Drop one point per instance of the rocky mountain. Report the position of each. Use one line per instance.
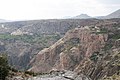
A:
(82, 16)
(90, 50)
(115, 14)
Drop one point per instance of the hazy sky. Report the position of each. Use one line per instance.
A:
(44, 9)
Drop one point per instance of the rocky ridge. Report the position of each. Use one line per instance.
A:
(66, 55)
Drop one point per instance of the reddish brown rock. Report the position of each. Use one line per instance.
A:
(69, 51)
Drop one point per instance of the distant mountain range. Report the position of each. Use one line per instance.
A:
(115, 14)
(82, 16)
(3, 21)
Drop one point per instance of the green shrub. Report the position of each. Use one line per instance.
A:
(13, 69)
(29, 72)
(94, 56)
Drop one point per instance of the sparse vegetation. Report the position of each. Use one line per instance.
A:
(37, 41)
(116, 36)
(102, 31)
(30, 38)
(108, 46)
(71, 43)
(34, 74)
(94, 56)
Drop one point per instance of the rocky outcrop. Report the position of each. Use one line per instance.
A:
(19, 32)
(61, 75)
(106, 65)
(69, 51)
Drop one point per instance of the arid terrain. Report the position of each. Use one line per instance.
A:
(63, 49)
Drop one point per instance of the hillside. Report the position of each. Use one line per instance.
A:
(69, 50)
(115, 14)
(90, 50)
(44, 26)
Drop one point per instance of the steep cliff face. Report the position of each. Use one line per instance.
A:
(67, 53)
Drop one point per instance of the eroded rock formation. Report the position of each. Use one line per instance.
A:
(67, 53)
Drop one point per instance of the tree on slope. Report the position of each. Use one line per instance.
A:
(4, 68)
